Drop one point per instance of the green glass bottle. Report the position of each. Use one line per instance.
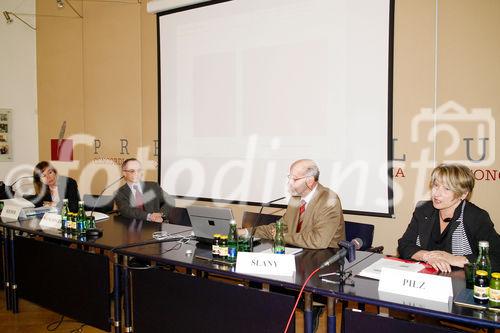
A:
(81, 218)
(483, 259)
(279, 239)
(64, 215)
(232, 242)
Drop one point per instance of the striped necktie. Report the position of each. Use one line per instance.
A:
(301, 215)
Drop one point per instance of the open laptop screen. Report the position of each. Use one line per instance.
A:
(207, 221)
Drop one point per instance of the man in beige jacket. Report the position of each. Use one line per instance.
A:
(313, 218)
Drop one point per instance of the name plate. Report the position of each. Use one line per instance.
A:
(11, 212)
(50, 220)
(431, 287)
(265, 263)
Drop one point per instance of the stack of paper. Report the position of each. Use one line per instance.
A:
(373, 271)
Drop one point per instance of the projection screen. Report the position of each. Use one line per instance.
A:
(248, 86)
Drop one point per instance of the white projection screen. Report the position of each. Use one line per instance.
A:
(248, 86)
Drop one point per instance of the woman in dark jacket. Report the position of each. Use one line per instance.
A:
(51, 189)
(446, 230)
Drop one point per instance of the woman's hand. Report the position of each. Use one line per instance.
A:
(457, 261)
(440, 260)
(443, 260)
(439, 264)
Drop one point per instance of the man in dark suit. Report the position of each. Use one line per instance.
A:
(141, 200)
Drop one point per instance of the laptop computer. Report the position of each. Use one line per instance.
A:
(207, 221)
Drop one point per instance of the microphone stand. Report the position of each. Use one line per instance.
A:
(100, 194)
(344, 276)
(257, 220)
(96, 232)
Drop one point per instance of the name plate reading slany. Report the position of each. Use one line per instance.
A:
(51, 220)
(265, 263)
(11, 212)
(431, 287)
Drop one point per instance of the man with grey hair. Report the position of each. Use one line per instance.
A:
(313, 218)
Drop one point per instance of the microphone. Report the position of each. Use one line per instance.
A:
(7, 16)
(348, 249)
(257, 220)
(100, 194)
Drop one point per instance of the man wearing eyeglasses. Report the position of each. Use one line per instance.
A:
(313, 218)
(141, 200)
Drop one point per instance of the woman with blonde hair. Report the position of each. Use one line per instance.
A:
(445, 231)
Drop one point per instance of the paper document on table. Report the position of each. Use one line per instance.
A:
(19, 202)
(374, 270)
(98, 215)
(288, 250)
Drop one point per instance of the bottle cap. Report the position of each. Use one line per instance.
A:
(481, 273)
(495, 275)
(81, 202)
(232, 222)
(65, 200)
(484, 244)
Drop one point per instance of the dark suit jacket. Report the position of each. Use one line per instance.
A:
(323, 224)
(155, 200)
(67, 188)
(477, 224)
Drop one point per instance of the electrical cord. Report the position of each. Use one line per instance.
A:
(57, 323)
(298, 298)
(162, 235)
(180, 242)
(78, 330)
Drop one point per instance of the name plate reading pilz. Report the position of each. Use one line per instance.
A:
(419, 285)
(265, 263)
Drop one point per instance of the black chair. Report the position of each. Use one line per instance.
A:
(103, 205)
(365, 232)
(250, 219)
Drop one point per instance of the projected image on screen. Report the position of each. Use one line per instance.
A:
(249, 86)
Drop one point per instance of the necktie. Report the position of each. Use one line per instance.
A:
(139, 199)
(301, 215)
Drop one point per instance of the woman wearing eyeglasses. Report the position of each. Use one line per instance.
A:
(51, 188)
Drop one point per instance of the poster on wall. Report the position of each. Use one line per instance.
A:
(5, 135)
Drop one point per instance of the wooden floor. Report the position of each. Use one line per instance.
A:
(34, 319)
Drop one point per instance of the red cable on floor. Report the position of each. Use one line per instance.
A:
(298, 298)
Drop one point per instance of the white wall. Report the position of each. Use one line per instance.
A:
(18, 85)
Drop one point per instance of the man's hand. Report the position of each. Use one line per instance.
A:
(273, 233)
(156, 217)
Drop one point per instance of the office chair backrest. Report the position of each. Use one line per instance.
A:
(360, 230)
(250, 219)
(104, 205)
